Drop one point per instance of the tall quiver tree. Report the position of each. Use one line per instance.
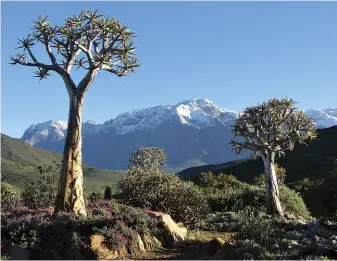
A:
(268, 130)
(91, 43)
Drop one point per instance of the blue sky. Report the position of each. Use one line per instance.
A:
(234, 53)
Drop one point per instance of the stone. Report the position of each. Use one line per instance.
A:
(293, 243)
(227, 251)
(17, 252)
(96, 245)
(140, 244)
(214, 245)
(150, 242)
(290, 216)
(172, 233)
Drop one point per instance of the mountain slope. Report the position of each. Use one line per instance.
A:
(191, 132)
(312, 162)
(19, 161)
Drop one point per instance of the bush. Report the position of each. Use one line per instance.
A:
(10, 195)
(153, 189)
(253, 226)
(233, 195)
(292, 202)
(67, 235)
(42, 192)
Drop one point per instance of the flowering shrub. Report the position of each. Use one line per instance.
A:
(66, 234)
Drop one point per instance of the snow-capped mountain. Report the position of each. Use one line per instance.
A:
(192, 129)
(323, 118)
(53, 131)
(200, 113)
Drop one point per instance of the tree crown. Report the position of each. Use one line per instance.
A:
(272, 126)
(88, 40)
(148, 157)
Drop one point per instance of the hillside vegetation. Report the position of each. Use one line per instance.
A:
(19, 162)
(314, 161)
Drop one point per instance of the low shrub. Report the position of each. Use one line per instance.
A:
(154, 189)
(41, 193)
(236, 196)
(66, 234)
(10, 195)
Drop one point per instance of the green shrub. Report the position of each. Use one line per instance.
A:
(154, 189)
(253, 226)
(42, 192)
(233, 195)
(292, 202)
(9, 195)
(95, 196)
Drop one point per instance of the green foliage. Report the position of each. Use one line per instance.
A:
(157, 190)
(218, 181)
(280, 175)
(41, 193)
(320, 194)
(233, 195)
(95, 196)
(253, 226)
(292, 202)
(148, 157)
(9, 194)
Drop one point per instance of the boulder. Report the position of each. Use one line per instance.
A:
(172, 232)
(227, 251)
(102, 252)
(140, 244)
(214, 245)
(150, 242)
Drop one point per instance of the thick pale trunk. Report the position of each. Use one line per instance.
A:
(70, 193)
(273, 195)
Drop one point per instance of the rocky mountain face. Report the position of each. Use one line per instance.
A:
(194, 131)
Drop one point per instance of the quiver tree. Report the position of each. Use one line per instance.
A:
(89, 42)
(268, 130)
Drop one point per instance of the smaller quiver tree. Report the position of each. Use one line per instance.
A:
(268, 130)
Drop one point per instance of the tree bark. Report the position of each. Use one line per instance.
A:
(272, 192)
(70, 192)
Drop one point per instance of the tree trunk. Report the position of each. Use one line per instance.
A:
(273, 195)
(70, 192)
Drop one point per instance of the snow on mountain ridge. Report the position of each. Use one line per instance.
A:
(55, 131)
(197, 113)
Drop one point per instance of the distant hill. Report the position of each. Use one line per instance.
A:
(313, 161)
(19, 161)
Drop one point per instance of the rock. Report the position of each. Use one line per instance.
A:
(172, 233)
(290, 216)
(140, 244)
(97, 246)
(214, 245)
(150, 242)
(293, 243)
(17, 252)
(227, 251)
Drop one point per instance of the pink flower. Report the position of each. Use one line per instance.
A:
(50, 209)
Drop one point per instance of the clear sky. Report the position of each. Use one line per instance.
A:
(233, 53)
